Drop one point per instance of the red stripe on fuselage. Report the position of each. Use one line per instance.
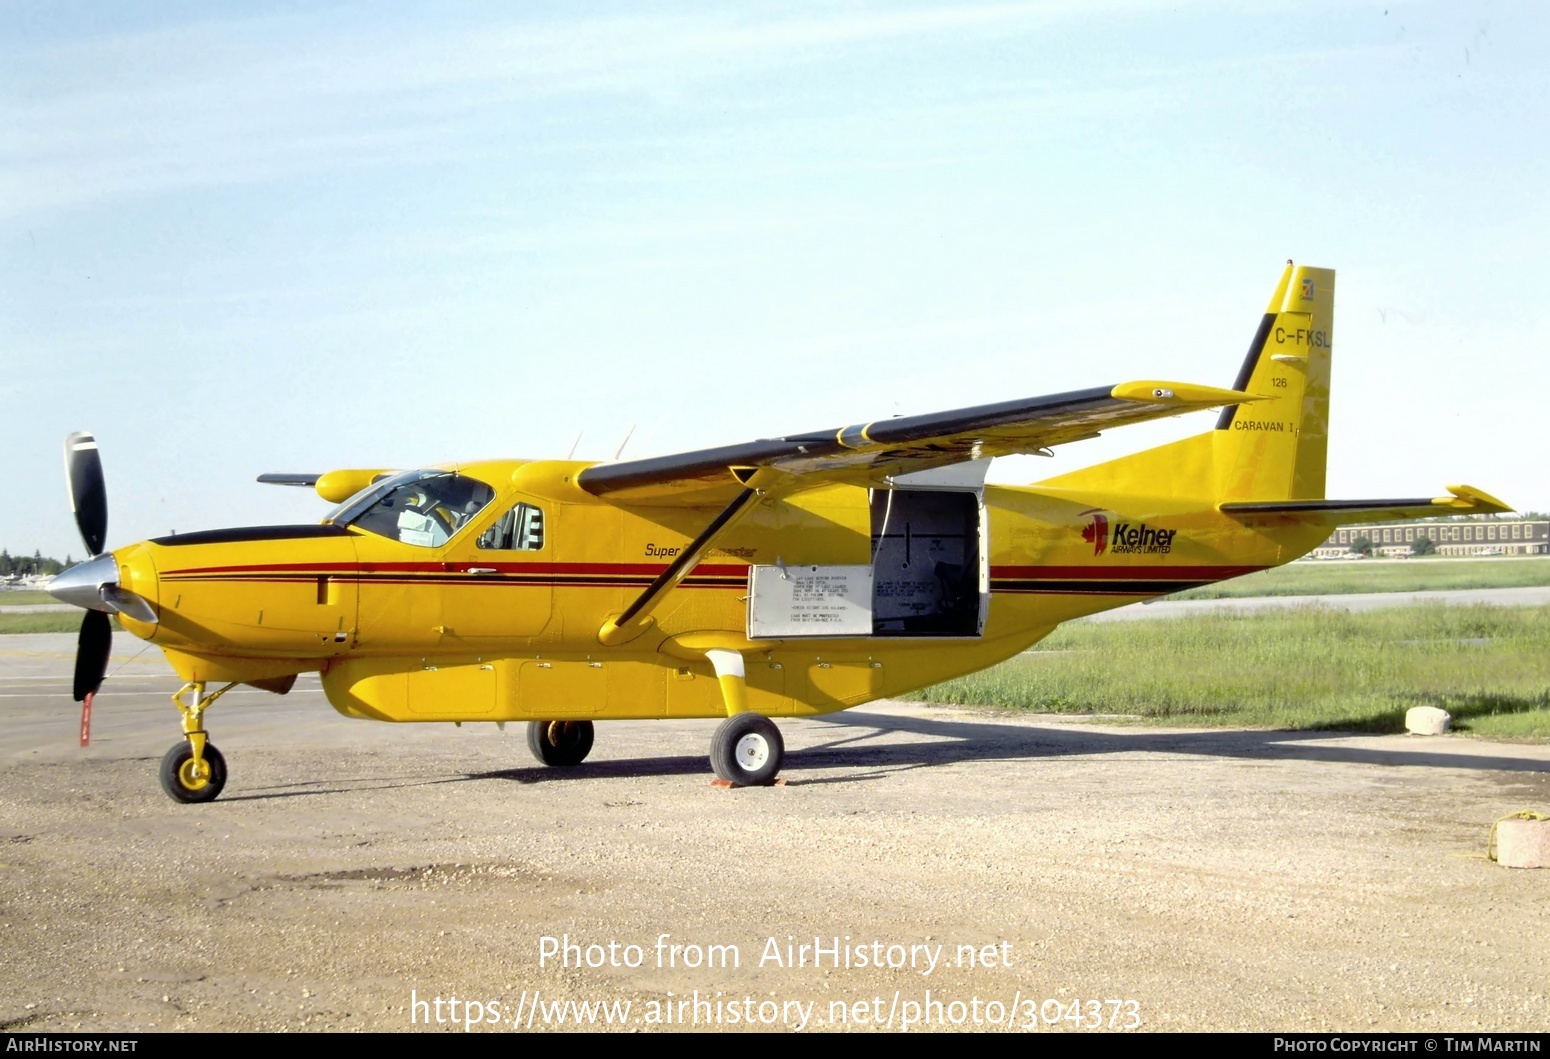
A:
(639, 575)
(462, 566)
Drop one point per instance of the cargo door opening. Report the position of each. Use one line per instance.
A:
(927, 577)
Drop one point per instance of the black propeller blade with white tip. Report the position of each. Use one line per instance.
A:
(88, 489)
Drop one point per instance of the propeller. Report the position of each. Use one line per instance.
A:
(93, 585)
(89, 501)
(88, 490)
(91, 653)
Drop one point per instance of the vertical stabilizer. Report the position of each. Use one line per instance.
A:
(1276, 448)
(1273, 449)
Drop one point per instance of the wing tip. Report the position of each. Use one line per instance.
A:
(1180, 394)
(1472, 499)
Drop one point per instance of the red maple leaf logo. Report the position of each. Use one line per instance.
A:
(1097, 533)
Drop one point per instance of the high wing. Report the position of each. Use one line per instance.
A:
(871, 453)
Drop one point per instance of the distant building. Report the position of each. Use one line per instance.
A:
(1463, 537)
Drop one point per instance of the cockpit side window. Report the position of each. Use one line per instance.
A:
(423, 508)
(520, 529)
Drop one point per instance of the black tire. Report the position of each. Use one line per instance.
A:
(747, 750)
(175, 780)
(561, 743)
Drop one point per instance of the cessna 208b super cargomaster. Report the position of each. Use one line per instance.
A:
(778, 578)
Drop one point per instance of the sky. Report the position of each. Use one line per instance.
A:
(238, 238)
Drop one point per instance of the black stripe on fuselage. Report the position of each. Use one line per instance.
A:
(248, 534)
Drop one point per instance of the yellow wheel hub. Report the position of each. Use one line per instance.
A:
(194, 775)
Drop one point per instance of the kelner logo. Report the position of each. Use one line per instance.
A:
(1096, 533)
(1126, 538)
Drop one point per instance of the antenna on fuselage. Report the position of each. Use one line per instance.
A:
(572, 453)
(627, 435)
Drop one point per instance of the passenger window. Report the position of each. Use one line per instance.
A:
(520, 529)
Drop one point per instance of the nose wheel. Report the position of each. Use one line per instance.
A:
(747, 750)
(188, 780)
(192, 770)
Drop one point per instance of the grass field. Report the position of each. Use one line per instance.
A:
(29, 597)
(1302, 669)
(1331, 577)
(50, 621)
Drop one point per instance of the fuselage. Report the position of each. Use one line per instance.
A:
(482, 626)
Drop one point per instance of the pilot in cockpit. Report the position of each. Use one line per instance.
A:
(423, 508)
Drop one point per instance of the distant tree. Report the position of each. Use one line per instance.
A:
(27, 566)
(1423, 546)
(1362, 546)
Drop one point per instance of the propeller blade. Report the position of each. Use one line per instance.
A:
(91, 653)
(88, 490)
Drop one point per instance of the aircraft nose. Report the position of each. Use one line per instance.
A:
(82, 584)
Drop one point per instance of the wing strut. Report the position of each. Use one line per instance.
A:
(633, 621)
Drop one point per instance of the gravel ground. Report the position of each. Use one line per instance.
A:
(1182, 879)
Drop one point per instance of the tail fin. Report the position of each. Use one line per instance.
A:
(1273, 449)
(1276, 449)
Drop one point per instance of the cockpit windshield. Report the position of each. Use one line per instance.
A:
(424, 508)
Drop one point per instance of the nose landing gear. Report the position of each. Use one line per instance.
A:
(192, 769)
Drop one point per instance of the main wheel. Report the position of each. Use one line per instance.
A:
(747, 750)
(561, 743)
(180, 781)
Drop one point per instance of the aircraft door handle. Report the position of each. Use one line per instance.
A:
(481, 570)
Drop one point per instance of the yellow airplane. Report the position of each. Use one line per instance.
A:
(783, 577)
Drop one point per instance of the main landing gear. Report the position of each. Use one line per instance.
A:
(747, 750)
(193, 770)
(562, 743)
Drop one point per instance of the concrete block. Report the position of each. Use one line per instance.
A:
(1427, 720)
(1523, 843)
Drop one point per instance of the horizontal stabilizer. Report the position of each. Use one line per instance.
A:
(306, 480)
(1462, 500)
(334, 486)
